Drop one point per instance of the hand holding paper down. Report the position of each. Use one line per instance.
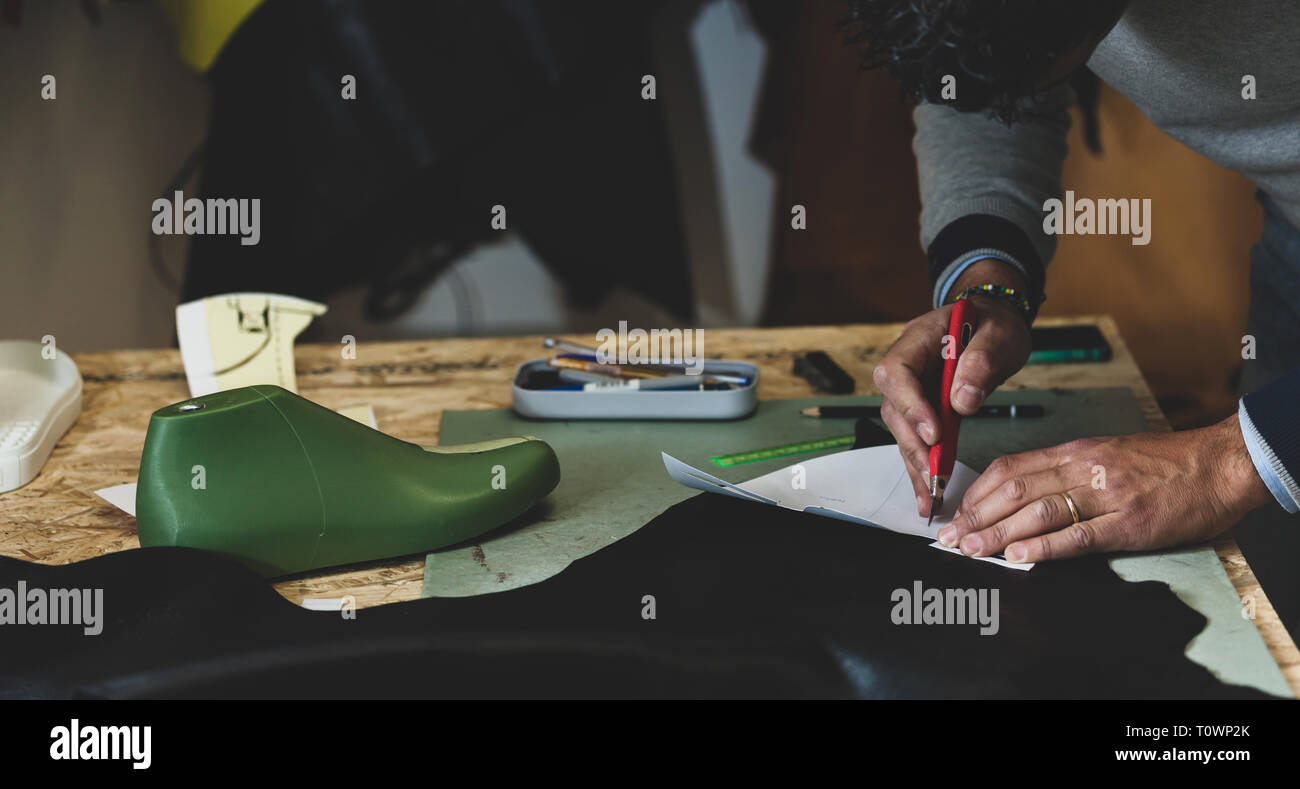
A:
(867, 486)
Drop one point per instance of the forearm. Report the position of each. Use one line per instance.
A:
(983, 184)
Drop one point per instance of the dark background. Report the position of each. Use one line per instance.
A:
(673, 212)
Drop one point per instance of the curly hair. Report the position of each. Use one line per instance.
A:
(998, 50)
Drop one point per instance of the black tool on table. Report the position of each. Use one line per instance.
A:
(820, 370)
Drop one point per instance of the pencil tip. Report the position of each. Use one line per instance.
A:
(814, 411)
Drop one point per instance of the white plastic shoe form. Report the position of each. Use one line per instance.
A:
(40, 399)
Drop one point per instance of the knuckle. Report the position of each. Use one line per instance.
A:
(974, 519)
(880, 375)
(1118, 484)
(1046, 510)
(1015, 489)
(1079, 447)
(909, 410)
(1083, 535)
(977, 364)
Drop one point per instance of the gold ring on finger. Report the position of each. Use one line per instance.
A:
(1074, 508)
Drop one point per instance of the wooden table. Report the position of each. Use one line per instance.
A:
(56, 519)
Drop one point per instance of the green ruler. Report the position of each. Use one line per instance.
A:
(784, 450)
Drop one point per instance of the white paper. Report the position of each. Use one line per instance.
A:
(329, 603)
(868, 486)
(196, 350)
(365, 414)
(120, 496)
(994, 559)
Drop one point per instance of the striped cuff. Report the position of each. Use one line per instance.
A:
(1275, 475)
(974, 237)
(955, 269)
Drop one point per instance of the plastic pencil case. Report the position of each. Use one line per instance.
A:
(639, 404)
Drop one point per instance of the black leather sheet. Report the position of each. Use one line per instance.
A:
(750, 600)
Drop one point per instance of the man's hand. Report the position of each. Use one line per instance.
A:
(1139, 492)
(908, 376)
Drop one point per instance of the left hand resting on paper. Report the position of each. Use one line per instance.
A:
(1138, 492)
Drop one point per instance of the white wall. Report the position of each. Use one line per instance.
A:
(78, 174)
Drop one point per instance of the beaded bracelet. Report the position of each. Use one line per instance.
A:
(1010, 295)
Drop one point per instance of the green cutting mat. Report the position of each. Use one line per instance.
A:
(613, 482)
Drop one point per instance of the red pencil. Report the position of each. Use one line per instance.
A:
(944, 454)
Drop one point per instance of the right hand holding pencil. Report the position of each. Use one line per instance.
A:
(908, 376)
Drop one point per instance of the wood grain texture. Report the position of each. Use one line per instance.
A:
(57, 518)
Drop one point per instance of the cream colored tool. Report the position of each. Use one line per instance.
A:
(241, 339)
(40, 399)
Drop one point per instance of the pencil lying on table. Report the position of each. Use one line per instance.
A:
(873, 411)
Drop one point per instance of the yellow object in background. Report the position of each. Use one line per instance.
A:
(204, 26)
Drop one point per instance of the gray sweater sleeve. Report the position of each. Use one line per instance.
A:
(983, 184)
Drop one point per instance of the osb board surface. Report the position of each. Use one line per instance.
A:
(57, 518)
